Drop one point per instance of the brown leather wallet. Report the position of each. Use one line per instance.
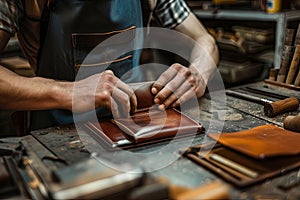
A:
(247, 157)
(261, 142)
(146, 125)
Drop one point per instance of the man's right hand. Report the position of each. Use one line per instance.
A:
(104, 89)
(38, 93)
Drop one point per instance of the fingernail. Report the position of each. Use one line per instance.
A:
(156, 101)
(161, 107)
(175, 104)
(153, 90)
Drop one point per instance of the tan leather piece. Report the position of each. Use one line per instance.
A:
(261, 142)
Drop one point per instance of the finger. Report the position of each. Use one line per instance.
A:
(197, 89)
(184, 98)
(105, 98)
(171, 86)
(183, 88)
(123, 102)
(128, 91)
(116, 94)
(110, 77)
(163, 79)
(114, 108)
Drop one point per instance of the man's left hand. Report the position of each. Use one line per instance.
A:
(177, 85)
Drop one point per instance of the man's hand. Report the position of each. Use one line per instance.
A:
(177, 85)
(104, 89)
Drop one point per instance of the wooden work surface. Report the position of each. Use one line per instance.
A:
(240, 115)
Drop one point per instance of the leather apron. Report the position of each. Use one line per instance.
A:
(74, 28)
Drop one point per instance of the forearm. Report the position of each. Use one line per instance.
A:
(205, 57)
(22, 93)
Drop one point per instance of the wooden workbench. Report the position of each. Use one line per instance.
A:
(240, 115)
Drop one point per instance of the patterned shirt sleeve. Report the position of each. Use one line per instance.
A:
(10, 12)
(171, 13)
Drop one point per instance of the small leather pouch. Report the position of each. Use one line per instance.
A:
(247, 157)
(146, 125)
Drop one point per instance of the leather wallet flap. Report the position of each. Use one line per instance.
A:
(155, 124)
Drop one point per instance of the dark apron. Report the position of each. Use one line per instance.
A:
(75, 27)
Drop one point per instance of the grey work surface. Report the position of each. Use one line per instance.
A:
(240, 115)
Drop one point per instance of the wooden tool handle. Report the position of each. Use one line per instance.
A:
(282, 106)
(297, 80)
(273, 74)
(292, 123)
(294, 65)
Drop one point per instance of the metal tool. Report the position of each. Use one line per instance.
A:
(248, 97)
(265, 92)
(271, 108)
